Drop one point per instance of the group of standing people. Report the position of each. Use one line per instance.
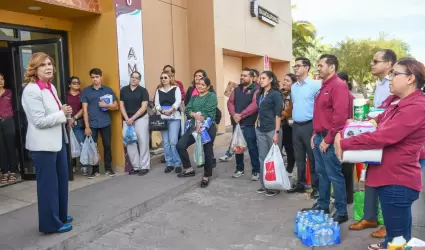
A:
(308, 115)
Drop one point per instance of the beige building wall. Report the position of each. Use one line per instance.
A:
(239, 35)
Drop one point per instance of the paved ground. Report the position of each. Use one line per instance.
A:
(229, 214)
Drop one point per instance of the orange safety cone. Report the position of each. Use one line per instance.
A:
(307, 172)
(359, 168)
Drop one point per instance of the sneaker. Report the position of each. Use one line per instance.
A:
(270, 193)
(261, 191)
(255, 176)
(375, 246)
(110, 173)
(84, 171)
(238, 174)
(225, 158)
(93, 175)
(134, 172)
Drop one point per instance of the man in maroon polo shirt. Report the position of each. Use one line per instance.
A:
(331, 111)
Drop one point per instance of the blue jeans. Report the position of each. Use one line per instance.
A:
(251, 140)
(79, 134)
(170, 138)
(51, 170)
(396, 203)
(328, 168)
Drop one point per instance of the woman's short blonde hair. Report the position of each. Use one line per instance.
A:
(35, 61)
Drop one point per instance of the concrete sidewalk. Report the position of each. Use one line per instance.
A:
(99, 208)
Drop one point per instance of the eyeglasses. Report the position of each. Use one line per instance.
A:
(298, 66)
(393, 74)
(374, 62)
(75, 83)
(135, 77)
(163, 78)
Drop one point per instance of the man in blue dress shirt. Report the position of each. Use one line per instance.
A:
(303, 94)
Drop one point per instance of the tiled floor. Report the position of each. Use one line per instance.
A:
(23, 194)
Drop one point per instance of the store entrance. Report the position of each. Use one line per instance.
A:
(14, 58)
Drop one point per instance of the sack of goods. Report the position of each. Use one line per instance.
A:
(373, 156)
(89, 154)
(275, 175)
(315, 228)
(238, 144)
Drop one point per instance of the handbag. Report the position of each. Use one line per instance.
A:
(156, 123)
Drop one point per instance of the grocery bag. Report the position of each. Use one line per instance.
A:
(198, 153)
(89, 154)
(275, 175)
(238, 144)
(129, 134)
(359, 208)
(75, 146)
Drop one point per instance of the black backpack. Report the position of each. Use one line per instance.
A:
(217, 116)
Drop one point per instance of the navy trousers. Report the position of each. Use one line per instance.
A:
(52, 188)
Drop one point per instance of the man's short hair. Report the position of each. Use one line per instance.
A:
(256, 72)
(330, 60)
(251, 73)
(173, 70)
(95, 71)
(389, 55)
(305, 61)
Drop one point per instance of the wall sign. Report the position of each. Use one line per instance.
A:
(263, 14)
(266, 62)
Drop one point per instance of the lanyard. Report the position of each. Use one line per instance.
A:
(262, 97)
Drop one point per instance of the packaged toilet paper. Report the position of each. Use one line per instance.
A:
(373, 156)
(360, 109)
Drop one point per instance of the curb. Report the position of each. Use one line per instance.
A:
(87, 235)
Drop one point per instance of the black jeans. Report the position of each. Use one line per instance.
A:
(289, 146)
(187, 140)
(301, 137)
(347, 171)
(8, 160)
(105, 133)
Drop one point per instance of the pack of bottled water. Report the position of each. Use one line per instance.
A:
(315, 228)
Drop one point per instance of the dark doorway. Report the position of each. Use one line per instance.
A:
(13, 63)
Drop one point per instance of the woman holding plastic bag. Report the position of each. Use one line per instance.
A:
(201, 111)
(401, 133)
(270, 104)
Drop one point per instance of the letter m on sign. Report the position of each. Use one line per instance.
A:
(132, 68)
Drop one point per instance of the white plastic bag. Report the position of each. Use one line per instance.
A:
(75, 146)
(89, 154)
(238, 144)
(198, 153)
(274, 175)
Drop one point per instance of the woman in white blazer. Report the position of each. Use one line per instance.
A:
(46, 139)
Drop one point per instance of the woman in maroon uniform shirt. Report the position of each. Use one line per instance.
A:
(8, 160)
(401, 134)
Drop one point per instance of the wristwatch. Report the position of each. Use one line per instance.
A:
(277, 131)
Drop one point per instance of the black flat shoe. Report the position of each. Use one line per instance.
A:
(204, 183)
(340, 219)
(315, 207)
(296, 189)
(143, 172)
(168, 169)
(187, 174)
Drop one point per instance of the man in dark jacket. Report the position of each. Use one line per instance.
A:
(243, 108)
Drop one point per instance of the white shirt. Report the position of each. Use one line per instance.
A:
(45, 119)
(382, 91)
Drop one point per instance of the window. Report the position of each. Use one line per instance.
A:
(6, 33)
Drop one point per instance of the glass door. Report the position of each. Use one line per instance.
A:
(21, 52)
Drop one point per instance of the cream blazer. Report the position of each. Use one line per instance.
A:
(45, 120)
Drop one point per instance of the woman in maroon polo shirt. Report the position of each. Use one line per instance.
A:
(8, 161)
(76, 123)
(401, 134)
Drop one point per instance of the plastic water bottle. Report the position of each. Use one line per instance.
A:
(300, 225)
(331, 236)
(322, 237)
(297, 217)
(316, 236)
(337, 233)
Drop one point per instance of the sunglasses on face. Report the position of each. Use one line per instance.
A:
(374, 62)
(163, 78)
